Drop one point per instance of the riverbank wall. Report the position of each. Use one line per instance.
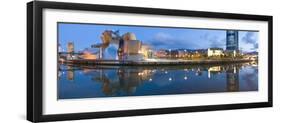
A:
(156, 62)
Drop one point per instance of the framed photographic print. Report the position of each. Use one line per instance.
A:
(95, 61)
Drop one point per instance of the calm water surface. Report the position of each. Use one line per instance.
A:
(115, 81)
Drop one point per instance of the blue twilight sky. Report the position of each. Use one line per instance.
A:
(84, 35)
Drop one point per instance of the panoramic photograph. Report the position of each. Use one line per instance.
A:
(103, 60)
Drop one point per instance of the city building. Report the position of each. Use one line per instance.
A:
(60, 49)
(173, 53)
(215, 52)
(146, 51)
(232, 40)
(132, 47)
(70, 50)
(124, 43)
(125, 47)
(232, 44)
(129, 36)
(251, 55)
(110, 40)
(182, 53)
(70, 47)
(90, 54)
(161, 53)
(132, 50)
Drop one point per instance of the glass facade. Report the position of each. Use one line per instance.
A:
(232, 40)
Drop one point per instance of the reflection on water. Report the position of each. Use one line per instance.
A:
(116, 81)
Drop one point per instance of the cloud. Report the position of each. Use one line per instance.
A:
(256, 46)
(167, 41)
(162, 36)
(214, 41)
(251, 38)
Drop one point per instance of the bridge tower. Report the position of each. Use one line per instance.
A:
(70, 50)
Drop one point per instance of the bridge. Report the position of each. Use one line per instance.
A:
(68, 53)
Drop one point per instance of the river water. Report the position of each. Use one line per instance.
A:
(76, 82)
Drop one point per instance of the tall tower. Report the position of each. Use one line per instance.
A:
(70, 47)
(232, 40)
(70, 50)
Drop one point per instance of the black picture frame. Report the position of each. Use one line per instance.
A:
(35, 69)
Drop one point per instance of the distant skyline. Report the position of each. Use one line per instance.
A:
(84, 35)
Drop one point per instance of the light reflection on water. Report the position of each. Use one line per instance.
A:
(116, 81)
